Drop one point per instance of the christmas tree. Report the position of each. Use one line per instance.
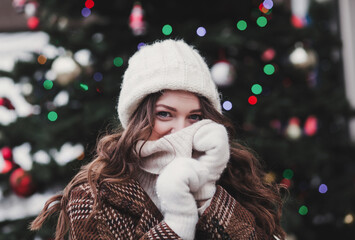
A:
(277, 64)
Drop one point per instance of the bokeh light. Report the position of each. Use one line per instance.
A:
(140, 45)
(98, 76)
(268, 4)
(349, 218)
(41, 59)
(84, 86)
(261, 21)
(242, 25)
(52, 116)
(288, 174)
(256, 89)
(303, 210)
(167, 29)
(323, 188)
(227, 105)
(286, 182)
(48, 84)
(89, 3)
(85, 12)
(252, 100)
(32, 22)
(118, 61)
(201, 31)
(269, 69)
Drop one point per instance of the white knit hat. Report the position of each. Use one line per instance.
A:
(169, 64)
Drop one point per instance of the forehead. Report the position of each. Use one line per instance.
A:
(178, 97)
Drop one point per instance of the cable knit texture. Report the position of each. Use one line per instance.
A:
(169, 64)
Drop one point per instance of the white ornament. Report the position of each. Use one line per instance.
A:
(302, 58)
(66, 69)
(293, 130)
(83, 57)
(223, 73)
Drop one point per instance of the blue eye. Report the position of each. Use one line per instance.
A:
(163, 114)
(196, 117)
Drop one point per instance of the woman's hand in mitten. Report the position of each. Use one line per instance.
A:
(174, 187)
(212, 140)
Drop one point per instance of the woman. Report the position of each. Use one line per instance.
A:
(173, 171)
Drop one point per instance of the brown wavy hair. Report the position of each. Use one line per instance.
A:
(116, 160)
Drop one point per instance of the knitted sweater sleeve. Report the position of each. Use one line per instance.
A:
(79, 209)
(225, 218)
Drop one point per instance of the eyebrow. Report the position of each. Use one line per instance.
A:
(174, 109)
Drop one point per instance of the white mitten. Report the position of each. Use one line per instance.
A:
(159, 153)
(174, 186)
(212, 140)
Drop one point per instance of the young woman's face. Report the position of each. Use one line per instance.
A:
(175, 110)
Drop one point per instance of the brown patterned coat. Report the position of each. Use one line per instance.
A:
(127, 212)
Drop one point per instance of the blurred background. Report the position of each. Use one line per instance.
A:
(285, 68)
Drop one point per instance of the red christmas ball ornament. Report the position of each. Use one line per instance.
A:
(6, 103)
(33, 22)
(21, 183)
(6, 153)
(5, 166)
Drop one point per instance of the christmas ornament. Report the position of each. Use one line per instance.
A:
(299, 9)
(293, 130)
(6, 103)
(19, 5)
(6, 153)
(66, 69)
(21, 183)
(31, 9)
(310, 126)
(303, 59)
(223, 73)
(33, 22)
(6, 162)
(136, 20)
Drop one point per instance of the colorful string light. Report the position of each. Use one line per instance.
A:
(84, 86)
(288, 174)
(48, 84)
(98, 76)
(323, 188)
(303, 210)
(86, 12)
(167, 29)
(52, 116)
(256, 89)
(201, 31)
(242, 25)
(41, 59)
(118, 61)
(89, 3)
(269, 69)
(252, 100)
(261, 21)
(227, 105)
(140, 45)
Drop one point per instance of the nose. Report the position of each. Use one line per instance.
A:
(179, 124)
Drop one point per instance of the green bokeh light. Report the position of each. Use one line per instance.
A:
(242, 25)
(52, 116)
(269, 69)
(261, 21)
(47, 84)
(288, 173)
(256, 89)
(303, 210)
(167, 29)
(84, 86)
(118, 61)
